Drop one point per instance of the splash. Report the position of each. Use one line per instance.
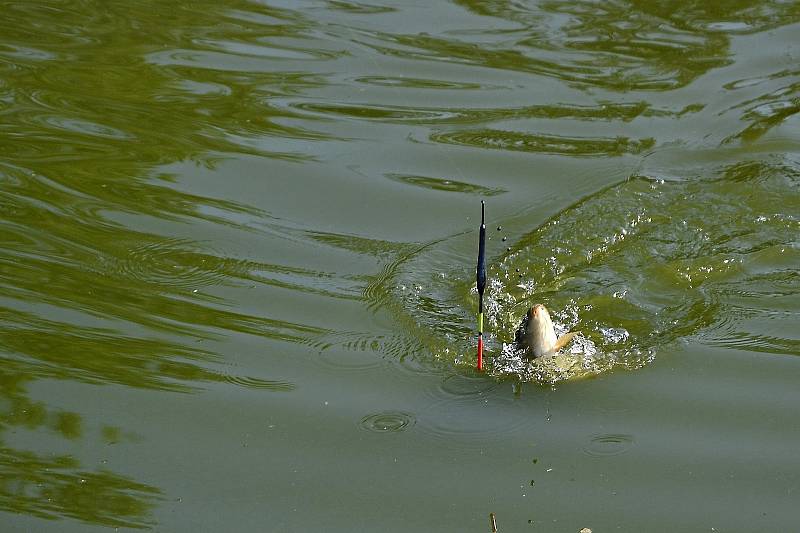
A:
(634, 268)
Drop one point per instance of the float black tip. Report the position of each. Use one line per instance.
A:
(481, 271)
(481, 282)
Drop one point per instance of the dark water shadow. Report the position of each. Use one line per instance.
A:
(53, 486)
(98, 285)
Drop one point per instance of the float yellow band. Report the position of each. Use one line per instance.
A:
(480, 322)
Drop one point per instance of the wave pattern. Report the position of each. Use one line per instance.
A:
(191, 188)
(635, 268)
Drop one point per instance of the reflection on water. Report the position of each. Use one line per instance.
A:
(53, 487)
(188, 188)
(439, 184)
(622, 46)
(56, 485)
(766, 111)
(549, 144)
(87, 285)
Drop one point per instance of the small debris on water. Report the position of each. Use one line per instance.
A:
(505, 239)
(586, 530)
(499, 228)
(493, 523)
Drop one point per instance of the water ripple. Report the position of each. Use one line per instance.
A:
(651, 269)
(445, 185)
(471, 421)
(549, 144)
(419, 83)
(460, 385)
(258, 383)
(608, 445)
(170, 262)
(387, 422)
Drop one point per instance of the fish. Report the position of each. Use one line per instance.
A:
(537, 336)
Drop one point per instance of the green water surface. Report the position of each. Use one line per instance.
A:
(237, 252)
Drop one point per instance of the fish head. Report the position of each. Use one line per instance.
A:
(539, 316)
(540, 336)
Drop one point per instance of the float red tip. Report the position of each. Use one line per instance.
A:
(480, 353)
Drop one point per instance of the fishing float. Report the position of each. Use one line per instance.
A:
(481, 282)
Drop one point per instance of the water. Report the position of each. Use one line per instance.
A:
(237, 265)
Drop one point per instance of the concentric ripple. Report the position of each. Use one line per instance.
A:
(472, 421)
(172, 262)
(387, 422)
(459, 385)
(608, 445)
